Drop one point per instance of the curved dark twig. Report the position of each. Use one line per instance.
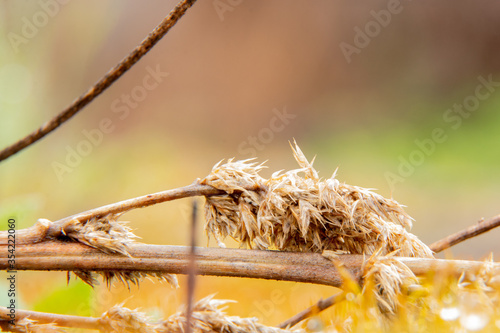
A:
(470, 232)
(105, 82)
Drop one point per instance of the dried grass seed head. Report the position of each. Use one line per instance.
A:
(32, 326)
(387, 278)
(119, 319)
(209, 317)
(109, 235)
(125, 277)
(105, 233)
(297, 211)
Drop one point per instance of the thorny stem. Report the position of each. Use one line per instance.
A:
(105, 82)
(274, 265)
(472, 231)
(321, 305)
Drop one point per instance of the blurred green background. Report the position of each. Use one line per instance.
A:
(356, 84)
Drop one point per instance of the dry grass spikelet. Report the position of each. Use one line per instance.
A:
(32, 326)
(125, 277)
(119, 319)
(486, 279)
(241, 176)
(297, 211)
(105, 233)
(209, 317)
(387, 278)
(109, 235)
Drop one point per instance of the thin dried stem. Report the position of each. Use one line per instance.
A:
(105, 82)
(43, 229)
(57, 319)
(470, 232)
(191, 269)
(321, 305)
(275, 265)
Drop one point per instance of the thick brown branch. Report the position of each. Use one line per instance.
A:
(275, 265)
(465, 234)
(105, 82)
(287, 266)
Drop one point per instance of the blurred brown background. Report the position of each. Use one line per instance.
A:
(245, 78)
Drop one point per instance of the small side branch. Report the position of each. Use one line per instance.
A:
(43, 229)
(192, 190)
(321, 305)
(105, 82)
(465, 234)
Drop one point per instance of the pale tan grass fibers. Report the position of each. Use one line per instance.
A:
(297, 211)
(106, 233)
(109, 235)
(125, 277)
(386, 277)
(31, 326)
(119, 319)
(208, 317)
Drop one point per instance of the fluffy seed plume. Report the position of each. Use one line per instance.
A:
(31, 326)
(109, 235)
(125, 277)
(386, 277)
(120, 319)
(297, 211)
(207, 317)
(106, 233)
